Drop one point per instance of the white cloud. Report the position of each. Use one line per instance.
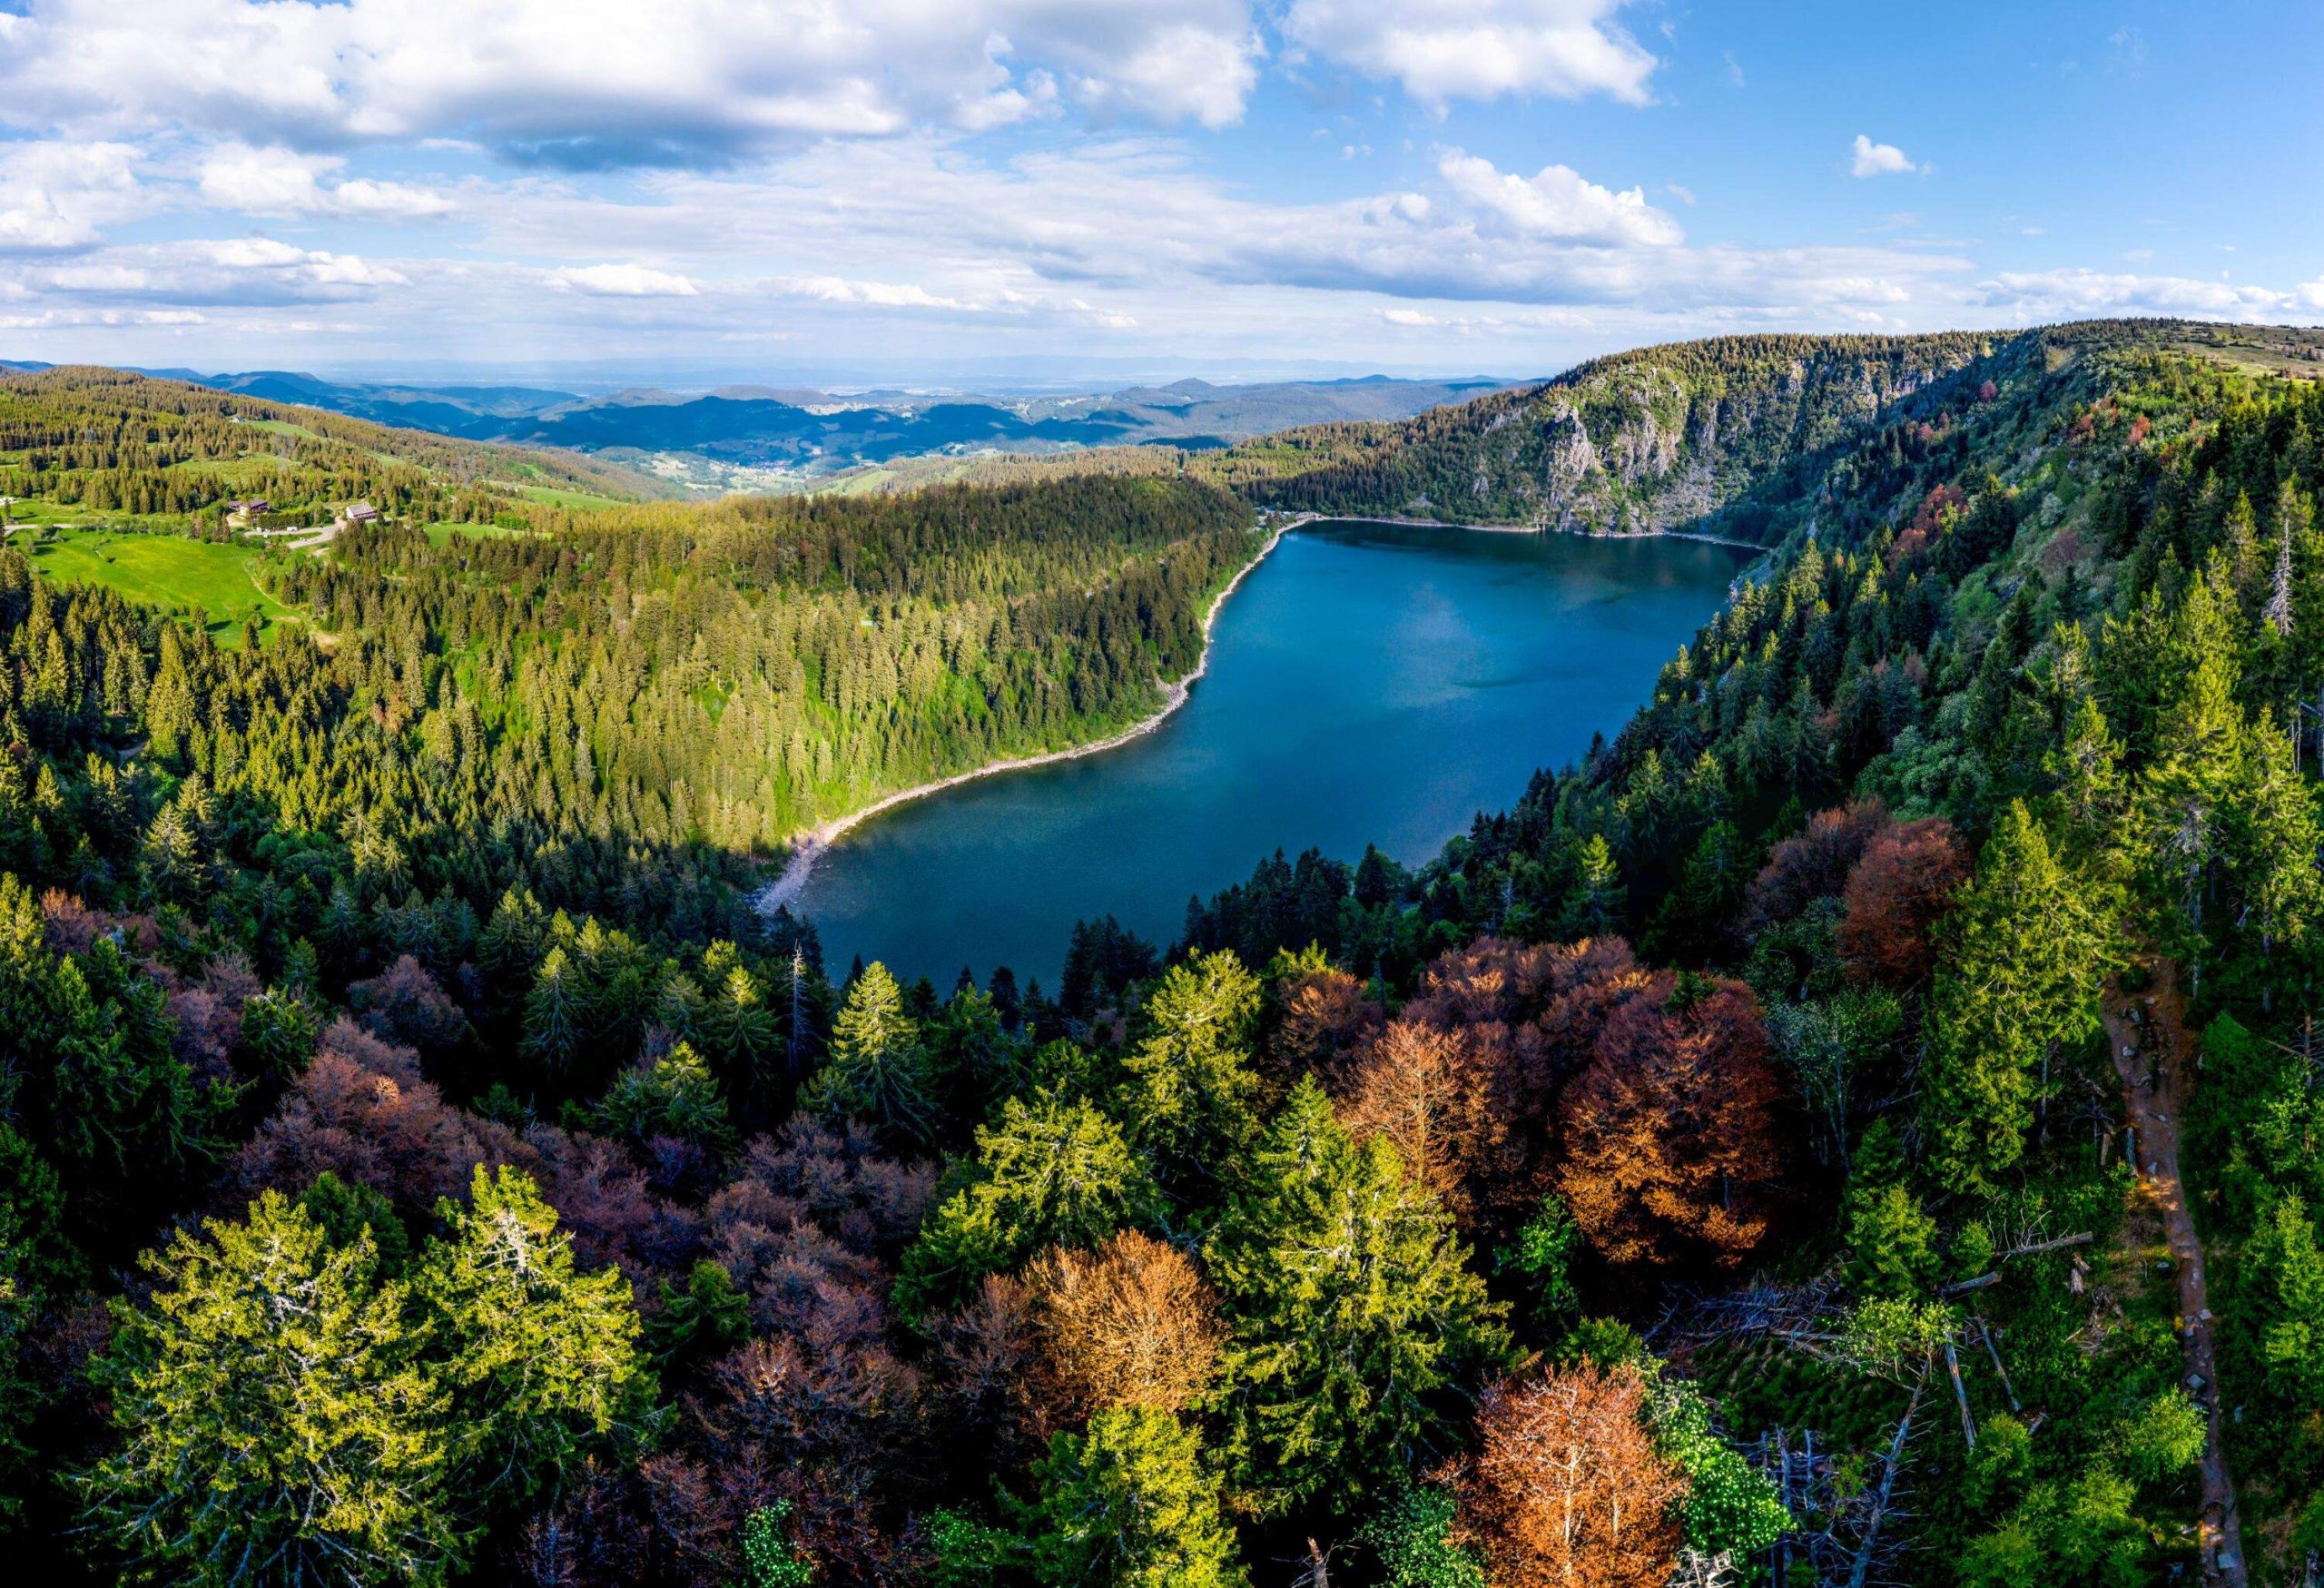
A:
(599, 82)
(80, 319)
(622, 280)
(1441, 50)
(1879, 160)
(282, 182)
(2076, 292)
(907, 295)
(1559, 202)
(1132, 227)
(207, 271)
(1200, 73)
(56, 196)
(882, 294)
(1410, 317)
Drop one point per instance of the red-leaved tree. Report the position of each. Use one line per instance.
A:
(1671, 1138)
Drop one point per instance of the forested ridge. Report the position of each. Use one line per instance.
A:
(419, 1167)
(624, 707)
(728, 677)
(1640, 441)
(120, 443)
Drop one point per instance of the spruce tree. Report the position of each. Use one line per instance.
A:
(275, 1423)
(1350, 1304)
(1130, 1503)
(1050, 1172)
(877, 1071)
(2022, 957)
(540, 1359)
(1189, 1090)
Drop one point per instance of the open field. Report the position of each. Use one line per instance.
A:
(579, 502)
(163, 570)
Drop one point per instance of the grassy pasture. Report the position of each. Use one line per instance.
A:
(161, 570)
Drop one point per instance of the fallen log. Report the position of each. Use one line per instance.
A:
(2032, 1248)
(1887, 1485)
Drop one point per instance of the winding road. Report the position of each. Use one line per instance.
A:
(2146, 1032)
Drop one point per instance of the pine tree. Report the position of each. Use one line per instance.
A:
(1349, 1303)
(275, 1425)
(541, 1359)
(1128, 1503)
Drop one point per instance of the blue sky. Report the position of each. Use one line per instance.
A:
(953, 190)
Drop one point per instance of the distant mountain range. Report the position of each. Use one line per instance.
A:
(812, 432)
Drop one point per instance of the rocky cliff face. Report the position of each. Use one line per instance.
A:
(1647, 441)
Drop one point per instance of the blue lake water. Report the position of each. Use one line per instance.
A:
(1367, 684)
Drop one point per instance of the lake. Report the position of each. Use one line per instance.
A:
(1367, 684)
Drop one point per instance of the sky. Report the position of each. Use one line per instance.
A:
(941, 191)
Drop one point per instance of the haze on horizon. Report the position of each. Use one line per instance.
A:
(997, 189)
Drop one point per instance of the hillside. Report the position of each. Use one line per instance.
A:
(108, 442)
(1640, 441)
(754, 438)
(1779, 1116)
(2003, 751)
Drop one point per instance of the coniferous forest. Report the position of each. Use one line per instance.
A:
(1861, 1123)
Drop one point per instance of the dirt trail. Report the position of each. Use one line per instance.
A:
(2146, 1032)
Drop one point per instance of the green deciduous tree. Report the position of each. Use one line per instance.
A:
(1729, 1508)
(1544, 1251)
(1413, 1535)
(768, 1553)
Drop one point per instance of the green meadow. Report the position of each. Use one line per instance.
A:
(163, 570)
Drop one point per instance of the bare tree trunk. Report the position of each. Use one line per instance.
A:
(1985, 1333)
(1887, 1488)
(1960, 1393)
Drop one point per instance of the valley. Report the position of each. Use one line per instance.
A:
(1674, 974)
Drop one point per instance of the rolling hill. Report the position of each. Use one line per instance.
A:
(797, 435)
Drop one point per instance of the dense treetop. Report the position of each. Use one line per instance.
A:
(417, 1164)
